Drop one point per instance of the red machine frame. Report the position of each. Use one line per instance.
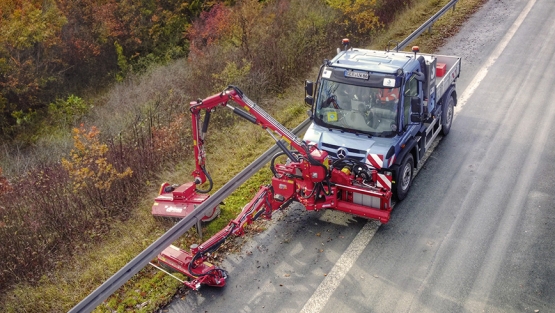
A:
(307, 177)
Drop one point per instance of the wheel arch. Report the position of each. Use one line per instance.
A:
(410, 147)
(450, 92)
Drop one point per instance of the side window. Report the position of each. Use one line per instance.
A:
(411, 90)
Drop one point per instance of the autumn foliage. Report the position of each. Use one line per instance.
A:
(52, 49)
(49, 48)
(49, 209)
(88, 165)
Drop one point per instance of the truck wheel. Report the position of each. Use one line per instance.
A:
(404, 177)
(447, 116)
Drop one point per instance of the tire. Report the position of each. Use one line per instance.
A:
(447, 116)
(404, 177)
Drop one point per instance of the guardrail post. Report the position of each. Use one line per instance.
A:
(199, 229)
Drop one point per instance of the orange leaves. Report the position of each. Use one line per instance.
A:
(30, 32)
(237, 25)
(108, 25)
(363, 14)
(88, 165)
(358, 15)
(210, 27)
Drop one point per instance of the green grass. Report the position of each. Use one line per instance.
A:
(229, 150)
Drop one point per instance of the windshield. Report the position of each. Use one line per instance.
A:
(354, 108)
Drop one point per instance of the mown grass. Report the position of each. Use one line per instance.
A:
(229, 151)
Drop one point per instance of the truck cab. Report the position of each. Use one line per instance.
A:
(384, 108)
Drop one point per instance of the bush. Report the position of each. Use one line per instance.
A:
(67, 112)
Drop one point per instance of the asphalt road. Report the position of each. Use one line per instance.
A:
(477, 231)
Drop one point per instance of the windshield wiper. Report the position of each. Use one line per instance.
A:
(355, 132)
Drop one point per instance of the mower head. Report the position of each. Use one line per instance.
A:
(179, 201)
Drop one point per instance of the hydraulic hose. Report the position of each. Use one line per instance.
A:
(210, 182)
(273, 161)
(210, 249)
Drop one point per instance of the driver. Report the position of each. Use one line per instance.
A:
(389, 95)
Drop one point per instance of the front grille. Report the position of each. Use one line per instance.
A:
(356, 154)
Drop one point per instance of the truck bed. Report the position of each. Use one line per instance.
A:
(453, 69)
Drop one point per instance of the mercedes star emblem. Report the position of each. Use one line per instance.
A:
(341, 153)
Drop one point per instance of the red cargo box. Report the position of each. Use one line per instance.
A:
(441, 69)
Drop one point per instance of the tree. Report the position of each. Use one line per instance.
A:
(29, 58)
(52, 48)
(209, 28)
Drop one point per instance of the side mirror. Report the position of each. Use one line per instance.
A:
(309, 100)
(416, 109)
(415, 105)
(309, 88)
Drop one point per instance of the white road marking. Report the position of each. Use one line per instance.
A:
(326, 288)
(492, 58)
(342, 266)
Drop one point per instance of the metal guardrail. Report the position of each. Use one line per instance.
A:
(427, 25)
(140, 261)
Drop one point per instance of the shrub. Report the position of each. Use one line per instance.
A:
(88, 165)
(67, 112)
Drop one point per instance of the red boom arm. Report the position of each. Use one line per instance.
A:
(308, 177)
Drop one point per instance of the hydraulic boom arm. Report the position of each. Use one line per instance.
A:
(251, 112)
(307, 177)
